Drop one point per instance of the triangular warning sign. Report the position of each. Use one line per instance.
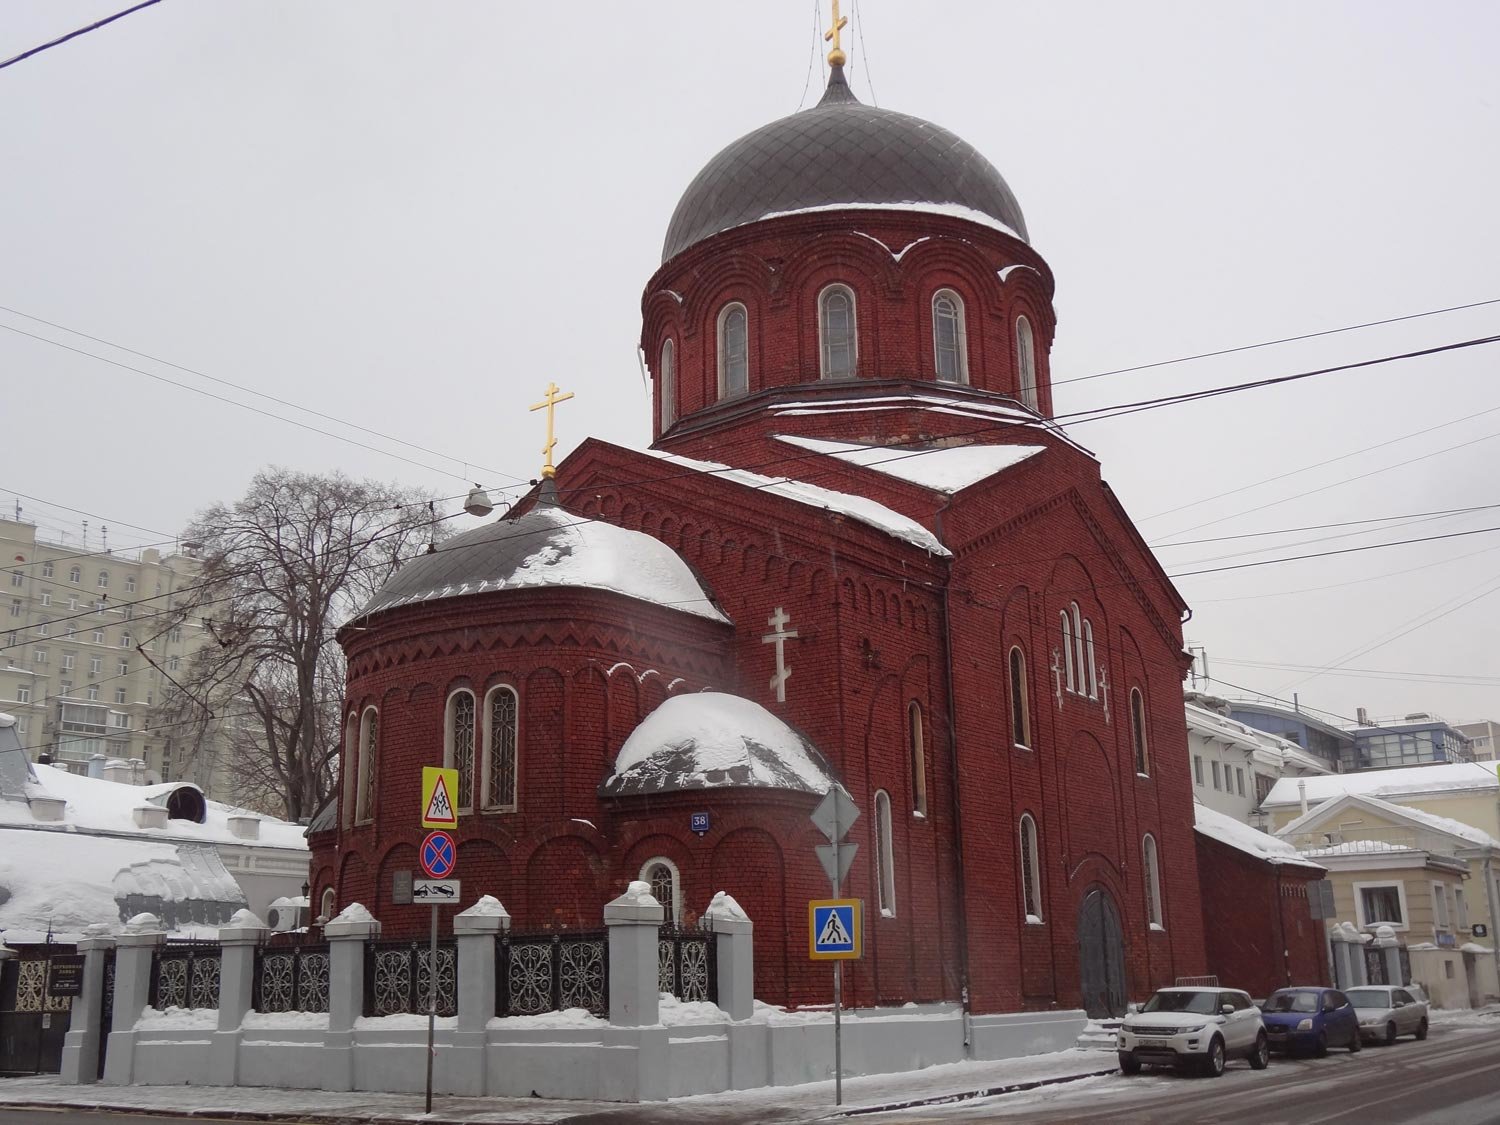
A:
(439, 807)
(833, 931)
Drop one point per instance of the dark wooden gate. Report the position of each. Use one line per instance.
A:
(1101, 955)
(32, 1023)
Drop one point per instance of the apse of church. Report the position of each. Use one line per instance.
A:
(858, 551)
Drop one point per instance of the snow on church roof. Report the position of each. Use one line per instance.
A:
(712, 740)
(1226, 830)
(948, 469)
(549, 546)
(858, 508)
(1415, 781)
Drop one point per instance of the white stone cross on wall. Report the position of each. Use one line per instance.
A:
(778, 636)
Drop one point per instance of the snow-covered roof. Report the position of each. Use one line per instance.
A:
(99, 806)
(1226, 830)
(549, 546)
(712, 740)
(1210, 724)
(1470, 835)
(1413, 781)
(1360, 847)
(62, 882)
(858, 508)
(947, 470)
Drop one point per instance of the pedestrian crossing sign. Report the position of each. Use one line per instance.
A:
(834, 929)
(439, 788)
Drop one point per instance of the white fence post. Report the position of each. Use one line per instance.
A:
(133, 952)
(237, 942)
(734, 940)
(80, 1058)
(346, 936)
(634, 920)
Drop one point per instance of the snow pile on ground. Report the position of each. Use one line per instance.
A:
(677, 1013)
(712, 740)
(178, 1019)
(948, 469)
(285, 1021)
(568, 1018)
(857, 508)
(1226, 830)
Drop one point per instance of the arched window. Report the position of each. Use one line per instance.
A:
(458, 746)
(1067, 651)
(104, 580)
(1092, 682)
(1153, 882)
(666, 383)
(836, 337)
(1078, 656)
(351, 766)
(666, 887)
(1138, 731)
(325, 911)
(75, 575)
(885, 856)
(918, 759)
(1026, 361)
(950, 344)
(1031, 873)
(1020, 715)
(501, 708)
(734, 351)
(369, 743)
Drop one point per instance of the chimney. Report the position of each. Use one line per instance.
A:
(96, 766)
(117, 770)
(1302, 795)
(150, 816)
(1361, 716)
(245, 827)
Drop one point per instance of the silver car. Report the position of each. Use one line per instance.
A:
(1386, 1011)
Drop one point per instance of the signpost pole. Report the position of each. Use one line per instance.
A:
(838, 979)
(432, 976)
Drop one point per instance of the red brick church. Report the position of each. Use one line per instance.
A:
(858, 551)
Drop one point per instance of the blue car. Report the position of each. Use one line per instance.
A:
(1310, 1020)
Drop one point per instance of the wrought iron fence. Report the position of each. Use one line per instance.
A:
(1405, 956)
(686, 963)
(537, 973)
(397, 976)
(291, 978)
(1375, 965)
(185, 974)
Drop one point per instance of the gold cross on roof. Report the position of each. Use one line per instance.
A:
(548, 404)
(836, 56)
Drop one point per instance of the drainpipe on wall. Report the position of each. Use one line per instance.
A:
(957, 812)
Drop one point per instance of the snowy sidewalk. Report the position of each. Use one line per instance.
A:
(810, 1102)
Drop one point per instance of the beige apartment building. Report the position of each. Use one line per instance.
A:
(71, 619)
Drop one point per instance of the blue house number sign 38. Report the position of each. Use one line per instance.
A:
(700, 823)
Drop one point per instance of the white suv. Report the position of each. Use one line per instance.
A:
(1194, 1027)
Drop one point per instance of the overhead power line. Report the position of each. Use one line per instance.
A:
(75, 34)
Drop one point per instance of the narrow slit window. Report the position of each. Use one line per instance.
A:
(918, 759)
(369, 742)
(734, 351)
(885, 856)
(1153, 882)
(1031, 881)
(1026, 361)
(1020, 716)
(949, 342)
(1138, 736)
(666, 383)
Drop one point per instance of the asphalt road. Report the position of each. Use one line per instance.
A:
(1451, 1079)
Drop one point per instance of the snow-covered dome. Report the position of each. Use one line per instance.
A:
(716, 741)
(549, 546)
(842, 153)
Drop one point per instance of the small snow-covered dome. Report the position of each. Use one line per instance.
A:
(549, 546)
(842, 153)
(716, 741)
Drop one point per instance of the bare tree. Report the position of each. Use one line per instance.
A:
(282, 569)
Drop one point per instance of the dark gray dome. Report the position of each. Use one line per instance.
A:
(840, 153)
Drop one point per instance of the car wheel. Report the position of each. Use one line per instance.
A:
(1354, 1042)
(1260, 1057)
(1129, 1064)
(1213, 1062)
(1422, 1028)
(1321, 1050)
(1390, 1033)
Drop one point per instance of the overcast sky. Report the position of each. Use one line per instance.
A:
(412, 216)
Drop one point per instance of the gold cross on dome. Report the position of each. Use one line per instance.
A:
(836, 56)
(548, 404)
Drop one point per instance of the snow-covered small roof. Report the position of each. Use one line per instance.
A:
(712, 740)
(99, 806)
(1359, 847)
(858, 508)
(1413, 781)
(948, 469)
(549, 546)
(1240, 836)
(1446, 825)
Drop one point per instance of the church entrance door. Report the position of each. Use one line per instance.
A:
(1101, 955)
